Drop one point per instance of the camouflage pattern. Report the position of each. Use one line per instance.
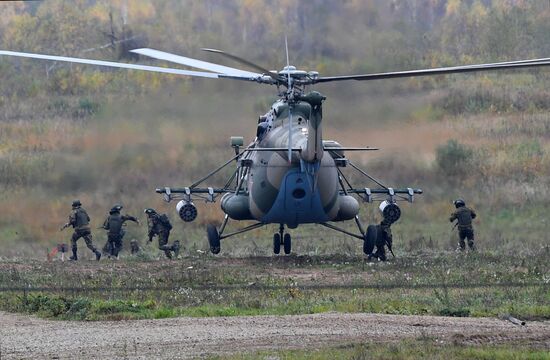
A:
(464, 217)
(134, 247)
(156, 227)
(163, 243)
(87, 236)
(114, 225)
(80, 221)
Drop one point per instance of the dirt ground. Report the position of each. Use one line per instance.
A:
(29, 337)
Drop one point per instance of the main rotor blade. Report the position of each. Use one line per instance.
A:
(244, 62)
(112, 64)
(440, 71)
(182, 60)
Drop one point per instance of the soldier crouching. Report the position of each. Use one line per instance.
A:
(383, 238)
(159, 225)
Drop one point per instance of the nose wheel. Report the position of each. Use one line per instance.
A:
(281, 238)
(369, 240)
(287, 243)
(276, 243)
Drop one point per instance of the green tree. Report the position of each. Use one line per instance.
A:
(454, 158)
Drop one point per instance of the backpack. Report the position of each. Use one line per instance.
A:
(165, 222)
(81, 217)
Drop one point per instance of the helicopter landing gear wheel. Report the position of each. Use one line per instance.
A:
(287, 243)
(213, 238)
(276, 243)
(370, 240)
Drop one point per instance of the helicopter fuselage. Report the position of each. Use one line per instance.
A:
(302, 189)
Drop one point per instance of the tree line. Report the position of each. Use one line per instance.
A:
(350, 36)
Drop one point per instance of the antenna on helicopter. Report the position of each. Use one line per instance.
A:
(290, 98)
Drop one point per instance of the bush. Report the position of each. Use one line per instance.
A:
(79, 308)
(86, 107)
(453, 158)
(49, 306)
(458, 312)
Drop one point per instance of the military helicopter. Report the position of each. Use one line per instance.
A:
(288, 175)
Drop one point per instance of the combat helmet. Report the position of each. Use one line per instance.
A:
(459, 203)
(149, 211)
(116, 208)
(76, 203)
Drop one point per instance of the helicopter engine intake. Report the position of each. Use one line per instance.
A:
(186, 210)
(349, 207)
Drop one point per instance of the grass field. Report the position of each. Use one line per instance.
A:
(437, 283)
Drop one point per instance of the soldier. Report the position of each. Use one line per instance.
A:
(160, 225)
(80, 221)
(134, 247)
(114, 224)
(384, 238)
(464, 217)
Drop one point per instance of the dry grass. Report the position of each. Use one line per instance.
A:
(133, 146)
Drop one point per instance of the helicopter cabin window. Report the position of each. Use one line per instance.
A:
(265, 123)
(261, 130)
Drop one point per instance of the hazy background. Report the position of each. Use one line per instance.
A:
(112, 136)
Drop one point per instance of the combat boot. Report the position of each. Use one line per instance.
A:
(74, 257)
(176, 248)
(97, 255)
(381, 254)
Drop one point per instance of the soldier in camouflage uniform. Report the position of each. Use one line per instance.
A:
(464, 217)
(384, 238)
(134, 247)
(160, 225)
(80, 221)
(114, 225)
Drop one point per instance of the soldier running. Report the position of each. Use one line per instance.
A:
(114, 225)
(464, 217)
(80, 221)
(160, 225)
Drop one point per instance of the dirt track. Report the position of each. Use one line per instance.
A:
(29, 337)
